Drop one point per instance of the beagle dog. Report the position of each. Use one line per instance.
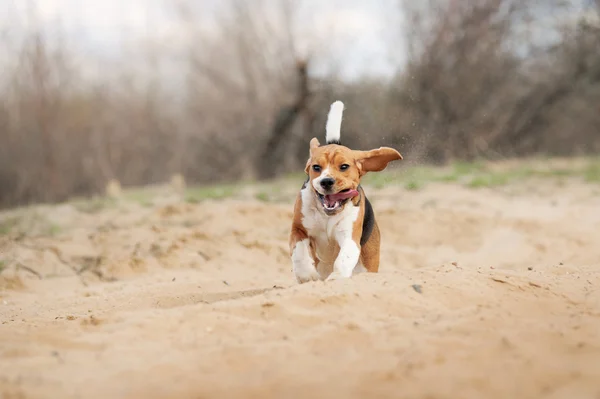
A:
(334, 233)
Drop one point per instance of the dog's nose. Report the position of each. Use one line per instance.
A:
(327, 183)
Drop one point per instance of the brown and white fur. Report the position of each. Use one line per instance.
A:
(335, 241)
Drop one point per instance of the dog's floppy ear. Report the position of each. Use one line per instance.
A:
(307, 165)
(314, 143)
(376, 160)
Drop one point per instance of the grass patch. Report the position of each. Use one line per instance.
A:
(199, 194)
(3, 265)
(449, 178)
(94, 205)
(591, 173)
(462, 168)
(413, 185)
(476, 174)
(380, 180)
(262, 196)
(479, 174)
(296, 176)
(416, 177)
(423, 174)
(8, 225)
(142, 197)
(419, 176)
(27, 224)
(491, 180)
(53, 230)
(558, 173)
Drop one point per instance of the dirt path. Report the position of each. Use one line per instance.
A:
(482, 294)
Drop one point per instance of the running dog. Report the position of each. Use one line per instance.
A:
(334, 233)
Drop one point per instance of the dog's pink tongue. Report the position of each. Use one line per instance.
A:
(333, 198)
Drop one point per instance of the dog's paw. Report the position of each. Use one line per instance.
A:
(307, 278)
(336, 275)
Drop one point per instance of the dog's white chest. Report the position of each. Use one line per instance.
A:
(326, 231)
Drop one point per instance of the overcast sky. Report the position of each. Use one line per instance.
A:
(358, 33)
(99, 26)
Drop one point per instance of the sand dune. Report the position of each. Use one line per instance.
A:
(486, 294)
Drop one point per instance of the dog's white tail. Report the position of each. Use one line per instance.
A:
(334, 123)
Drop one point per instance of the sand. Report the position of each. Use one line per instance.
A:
(489, 293)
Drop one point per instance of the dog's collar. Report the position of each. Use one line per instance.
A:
(360, 195)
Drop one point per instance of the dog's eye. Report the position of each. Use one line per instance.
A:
(316, 168)
(344, 166)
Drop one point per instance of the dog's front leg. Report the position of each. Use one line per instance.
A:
(303, 263)
(347, 258)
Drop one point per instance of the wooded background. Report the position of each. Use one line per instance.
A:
(481, 79)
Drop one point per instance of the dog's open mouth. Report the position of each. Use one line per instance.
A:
(332, 202)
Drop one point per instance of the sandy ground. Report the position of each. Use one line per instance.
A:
(489, 293)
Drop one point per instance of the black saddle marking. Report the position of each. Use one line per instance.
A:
(368, 222)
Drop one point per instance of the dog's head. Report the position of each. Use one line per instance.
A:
(335, 171)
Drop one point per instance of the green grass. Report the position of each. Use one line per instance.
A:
(379, 180)
(29, 223)
(589, 173)
(296, 177)
(94, 205)
(449, 178)
(52, 230)
(478, 174)
(592, 172)
(557, 173)
(413, 185)
(8, 225)
(416, 177)
(462, 168)
(3, 265)
(475, 175)
(141, 196)
(491, 180)
(262, 196)
(199, 194)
